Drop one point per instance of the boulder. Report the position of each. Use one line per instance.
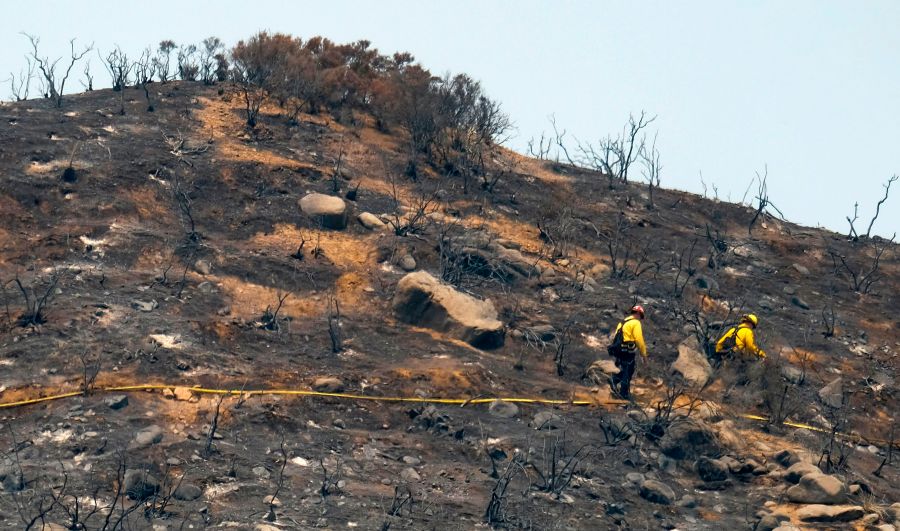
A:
(504, 410)
(600, 369)
(768, 522)
(328, 384)
(144, 306)
(792, 374)
(146, 437)
(547, 420)
(657, 492)
(690, 439)
(422, 300)
(818, 488)
(786, 458)
(800, 303)
(692, 364)
(410, 475)
(370, 221)
(803, 270)
(203, 267)
(833, 394)
(796, 471)
(707, 283)
(711, 469)
(407, 263)
(829, 513)
(187, 492)
(116, 401)
(139, 484)
(328, 210)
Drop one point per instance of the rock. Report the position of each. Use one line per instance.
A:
(600, 369)
(767, 304)
(328, 384)
(792, 374)
(634, 479)
(687, 501)
(422, 300)
(139, 484)
(788, 290)
(692, 364)
(818, 488)
(328, 210)
(829, 513)
(146, 437)
(144, 306)
(11, 478)
(411, 460)
(833, 394)
(409, 475)
(370, 221)
(711, 469)
(203, 267)
(504, 410)
(407, 263)
(786, 458)
(187, 492)
(707, 283)
(657, 492)
(116, 401)
(547, 420)
(767, 523)
(800, 303)
(690, 439)
(796, 471)
(803, 270)
(544, 332)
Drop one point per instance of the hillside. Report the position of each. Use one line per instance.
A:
(175, 252)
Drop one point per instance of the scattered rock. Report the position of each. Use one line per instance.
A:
(144, 306)
(800, 303)
(547, 420)
(203, 267)
(146, 437)
(187, 492)
(410, 475)
(692, 364)
(328, 210)
(833, 394)
(690, 439)
(818, 488)
(116, 401)
(657, 492)
(711, 469)
(139, 484)
(422, 300)
(407, 263)
(370, 221)
(830, 513)
(687, 501)
(786, 458)
(634, 479)
(803, 270)
(799, 469)
(792, 374)
(328, 384)
(505, 410)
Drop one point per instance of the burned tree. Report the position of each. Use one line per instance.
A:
(55, 84)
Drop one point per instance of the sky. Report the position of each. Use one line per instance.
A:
(809, 90)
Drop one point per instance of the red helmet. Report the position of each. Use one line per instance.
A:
(638, 309)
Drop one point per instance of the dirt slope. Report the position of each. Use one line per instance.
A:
(171, 257)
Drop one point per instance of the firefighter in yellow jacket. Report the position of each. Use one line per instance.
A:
(739, 339)
(628, 340)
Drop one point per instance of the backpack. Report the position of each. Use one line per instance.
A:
(730, 341)
(615, 348)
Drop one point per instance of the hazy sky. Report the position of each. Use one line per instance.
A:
(810, 88)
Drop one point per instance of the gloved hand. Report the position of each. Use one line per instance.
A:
(762, 354)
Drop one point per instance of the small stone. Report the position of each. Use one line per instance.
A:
(223, 311)
(139, 484)
(407, 263)
(788, 290)
(260, 471)
(803, 270)
(547, 420)
(205, 287)
(505, 410)
(634, 479)
(687, 501)
(793, 374)
(410, 460)
(657, 492)
(187, 492)
(144, 306)
(833, 394)
(410, 475)
(328, 384)
(203, 267)
(116, 401)
(146, 437)
(800, 303)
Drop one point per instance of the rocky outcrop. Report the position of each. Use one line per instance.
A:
(422, 300)
(329, 211)
(692, 364)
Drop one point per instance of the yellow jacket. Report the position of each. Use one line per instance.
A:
(632, 332)
(744, 342)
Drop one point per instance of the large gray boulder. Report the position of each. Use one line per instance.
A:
(690, 439)
(830, 513)
(657, 492)
(818, 488)
(833, 394)
(795, 472)
(692, 364)
(328, 210)
(422, 300)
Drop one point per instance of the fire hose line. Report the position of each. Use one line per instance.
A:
(409, 399)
